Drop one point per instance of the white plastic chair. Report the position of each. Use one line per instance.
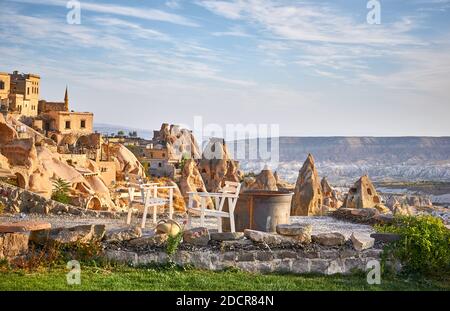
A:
(230, 192)
(147, 195)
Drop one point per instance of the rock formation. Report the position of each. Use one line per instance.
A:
(263, 181)
(126, 162)
(330, 195)
(216, 166)
(179, 142)
(282, 184)
(307, 199)
(191, 181)
(7, 132)
(364, 195)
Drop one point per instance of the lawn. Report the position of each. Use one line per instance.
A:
(155, 279)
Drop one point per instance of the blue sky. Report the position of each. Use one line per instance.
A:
(314, 67)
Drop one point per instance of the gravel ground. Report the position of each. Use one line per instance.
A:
(320, 224)
(323, 224)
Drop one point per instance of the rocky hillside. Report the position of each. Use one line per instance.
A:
(384, 158)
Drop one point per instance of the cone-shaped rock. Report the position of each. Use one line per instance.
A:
(307, 200)
(364, 195)
(330, 195)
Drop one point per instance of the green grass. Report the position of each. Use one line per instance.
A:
(127, 278)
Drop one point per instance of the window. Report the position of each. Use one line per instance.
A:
(369, 191)
(2, 85)
(163, 155)
(83, 124)
(159, 164)
(28, 91)
(67, 124)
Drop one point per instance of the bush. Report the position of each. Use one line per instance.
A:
(424, 244)
(2, 208)
(61, 190)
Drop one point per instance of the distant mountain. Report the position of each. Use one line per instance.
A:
(113, 129)
(343, 159)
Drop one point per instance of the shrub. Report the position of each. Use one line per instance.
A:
(61, 189)
(424, 244)
(2, 208)
(173, 242)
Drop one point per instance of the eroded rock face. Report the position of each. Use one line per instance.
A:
(217, 166)
(330, 195)
(191, 181)
(126, 161)
(21, 152)
(282, 184)
(307, 199)
(7, 132)
(264, 181)
(179, 142)
(13, 244)
(41, 183)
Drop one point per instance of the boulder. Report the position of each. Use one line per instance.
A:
(77, 234)
(329, 239)
(307, 199)
(13, 244)
(197, 236)
(361, 242)
(124, 234)
(152, 240)
(275, 239)
(24, 226)
(226, 236)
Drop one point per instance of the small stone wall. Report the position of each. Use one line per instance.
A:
(326, 261)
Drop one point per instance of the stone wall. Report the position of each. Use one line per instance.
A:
(18, 200)
(325, 261)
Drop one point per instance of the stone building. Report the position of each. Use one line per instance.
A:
(5, 83)
(57, 121)
(24, 93)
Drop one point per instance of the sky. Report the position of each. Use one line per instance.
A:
(315, 68)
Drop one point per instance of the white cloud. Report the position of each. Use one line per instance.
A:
(129, 11)
(173, 4)
(235, 31)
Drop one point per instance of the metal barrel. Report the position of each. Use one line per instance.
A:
(260, 210)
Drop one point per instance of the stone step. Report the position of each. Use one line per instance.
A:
(24, 226)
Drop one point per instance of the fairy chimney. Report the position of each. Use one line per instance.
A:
(307, 199)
